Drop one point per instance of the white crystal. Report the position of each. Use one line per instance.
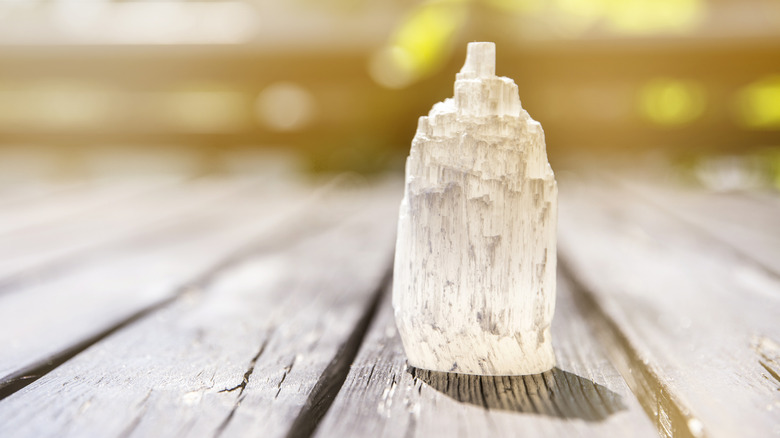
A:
(474, 281)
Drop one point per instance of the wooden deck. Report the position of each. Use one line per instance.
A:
(258, 307)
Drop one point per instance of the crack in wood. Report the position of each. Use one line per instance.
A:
(287, 370)
(769, 353)
(250, 369)
(371, 374)
(242, 386)
(769, 369)
(299, 230)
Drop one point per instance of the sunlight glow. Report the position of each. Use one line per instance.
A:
(758, 104)
(653, 16)
(54, 104)
(285, 106)
(671, 102)
(200, 109)
(103, 22)
(420, 45)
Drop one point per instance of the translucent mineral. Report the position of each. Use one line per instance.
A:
(474, 279)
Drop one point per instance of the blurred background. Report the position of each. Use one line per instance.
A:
(95, 88)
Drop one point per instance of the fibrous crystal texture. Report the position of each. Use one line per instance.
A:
(474, 279)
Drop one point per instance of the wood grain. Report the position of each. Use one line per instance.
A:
(62, 205)
(240, 354)
(63, 242)
(120, 283)
(239, 310)
(685, 312)
(747, 222)
(127, 281)
(583, 396)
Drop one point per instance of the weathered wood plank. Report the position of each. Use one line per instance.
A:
(583, 396)
(243, 354)
(41, 321)
(70, 240)
(62, 205)
(688, 314)
(17, 194)
(749, 224)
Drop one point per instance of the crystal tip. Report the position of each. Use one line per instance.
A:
(480, 61)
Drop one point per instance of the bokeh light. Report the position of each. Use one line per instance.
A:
(652, 16)
(420, 45)
(759, 104)
(671, 102)
(285, 106)
(202, 108)
(53, 104)
(340, 83)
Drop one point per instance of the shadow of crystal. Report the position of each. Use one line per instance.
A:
(555, 393)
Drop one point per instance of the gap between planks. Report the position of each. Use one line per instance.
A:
(296, 224)
(670, 415)
(583, 396)
(87, 372)
(664, 399)
(29, 371)
(671, 296)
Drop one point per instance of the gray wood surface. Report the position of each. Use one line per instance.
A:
(65, 240)
(747, 222)
(583, 396)
(128, 280)
(252, 349)
(123, 281)
(21, 194)
(692, 322)
(61, 205)
(253, 307)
